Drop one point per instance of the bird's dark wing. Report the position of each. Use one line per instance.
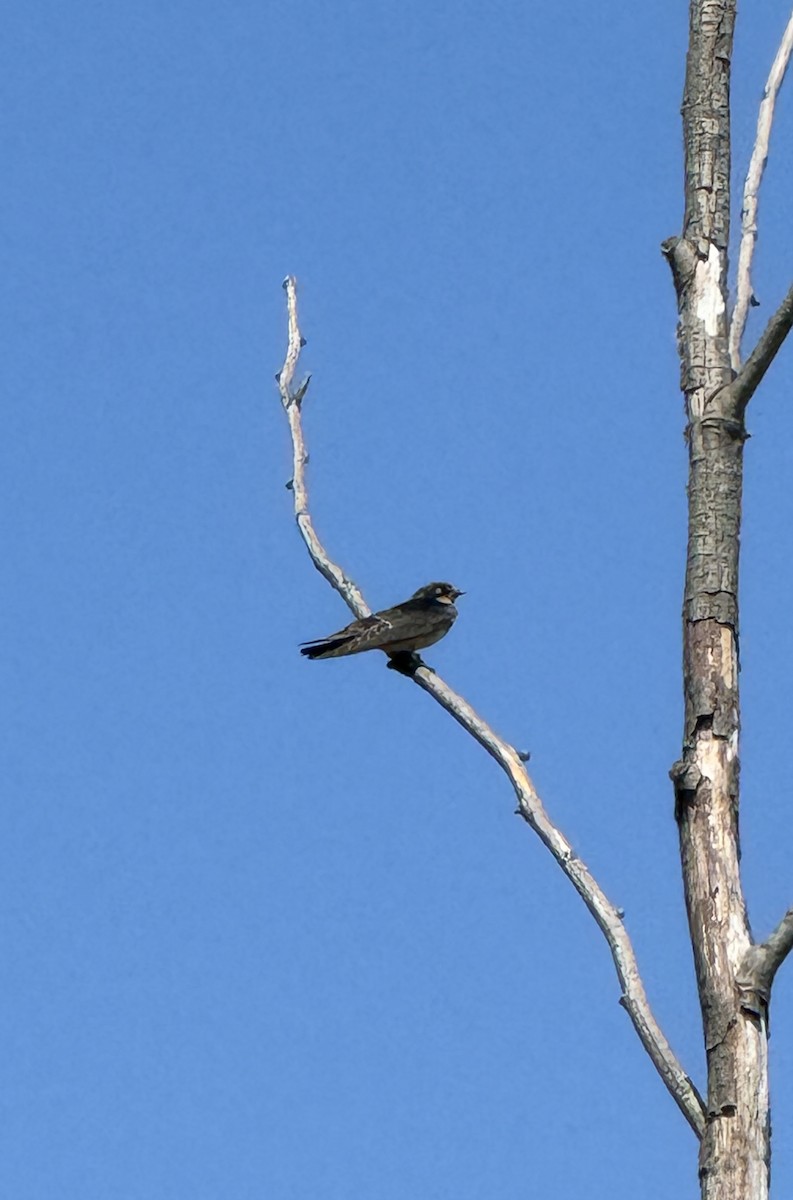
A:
(365, 634)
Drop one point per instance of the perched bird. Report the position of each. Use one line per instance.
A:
(418, 622)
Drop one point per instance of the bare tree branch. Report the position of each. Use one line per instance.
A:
(779, 945)
(609, 919)
(744, 292)
(292, 402)
(761, 964)
(780, 942)
(743, 387)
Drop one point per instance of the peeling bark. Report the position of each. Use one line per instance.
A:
(735, 1149)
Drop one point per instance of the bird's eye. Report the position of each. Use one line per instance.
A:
(439, 591)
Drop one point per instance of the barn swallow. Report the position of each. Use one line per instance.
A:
(400, 631)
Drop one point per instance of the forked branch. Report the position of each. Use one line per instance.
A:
(608, 918)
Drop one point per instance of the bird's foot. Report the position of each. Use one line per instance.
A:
(407, 662)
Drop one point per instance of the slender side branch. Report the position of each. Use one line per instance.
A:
(608, 918)
(748, 378)
(744, 292)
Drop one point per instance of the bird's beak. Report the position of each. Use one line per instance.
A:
(458, 593)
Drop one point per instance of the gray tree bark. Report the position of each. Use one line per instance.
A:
(735, 1148)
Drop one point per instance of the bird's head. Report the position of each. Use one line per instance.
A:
(441, 593)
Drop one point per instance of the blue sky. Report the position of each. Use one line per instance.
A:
(270, 927)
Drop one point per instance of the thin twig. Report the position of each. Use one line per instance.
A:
(607, 916)
(744, 292)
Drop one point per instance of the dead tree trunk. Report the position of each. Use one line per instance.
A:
(735, 1148)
